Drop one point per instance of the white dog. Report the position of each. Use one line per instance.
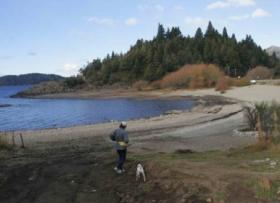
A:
(139, 171)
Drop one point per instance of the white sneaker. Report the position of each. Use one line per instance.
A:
(117, 170)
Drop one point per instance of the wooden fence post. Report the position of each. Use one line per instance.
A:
(22, 143)
(13, 139)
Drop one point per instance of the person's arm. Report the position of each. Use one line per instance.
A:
(113, 136)
(126, 140)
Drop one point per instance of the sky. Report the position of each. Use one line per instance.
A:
(62, 36)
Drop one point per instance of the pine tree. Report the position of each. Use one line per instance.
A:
(225, 34)
(198, 34)
(210, 31)
(160, 33)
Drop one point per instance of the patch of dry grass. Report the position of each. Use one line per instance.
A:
(4, 143)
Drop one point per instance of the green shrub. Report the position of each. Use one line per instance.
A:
(73, 82)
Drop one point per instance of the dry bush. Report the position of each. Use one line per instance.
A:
(155, 85)
(240, 82)
(223, 84)
(260, 73)
(193, 76)
(251, 116)
(140, 85)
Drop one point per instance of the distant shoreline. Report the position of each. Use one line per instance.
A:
(5, 105)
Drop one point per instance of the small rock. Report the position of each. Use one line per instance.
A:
(93, 190)
(209, 200)
(31, 178)
(273, 163)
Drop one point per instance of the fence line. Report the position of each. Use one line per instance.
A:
(11, 137)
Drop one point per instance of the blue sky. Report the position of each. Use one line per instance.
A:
(60, 36)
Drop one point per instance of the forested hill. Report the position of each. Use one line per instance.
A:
(28, 79)
(169, 50)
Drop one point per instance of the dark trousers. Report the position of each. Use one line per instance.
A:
(122, 157)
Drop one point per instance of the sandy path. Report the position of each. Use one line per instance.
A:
(253, 93)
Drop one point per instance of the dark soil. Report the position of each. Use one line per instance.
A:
(69, 173)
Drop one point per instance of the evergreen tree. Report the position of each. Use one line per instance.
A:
(160, 32)
(225, 34)
(198, 34)
(210, 31)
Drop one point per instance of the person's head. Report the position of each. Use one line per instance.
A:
(123, 125)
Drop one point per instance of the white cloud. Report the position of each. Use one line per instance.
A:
(69, 69)
(159, 7)
(131, 21)
(242, 2)
(239, 18)
(178, 8)
(217, 4)
(196, 21)
(230, 3)
(259, 13)
(102, 21)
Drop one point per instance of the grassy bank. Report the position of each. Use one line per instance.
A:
(245, 175)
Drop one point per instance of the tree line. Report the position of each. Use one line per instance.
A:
(169, 50)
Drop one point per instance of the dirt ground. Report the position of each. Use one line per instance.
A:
(81, 171)
(69, 173)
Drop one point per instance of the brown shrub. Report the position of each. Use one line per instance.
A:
(223, 84)
(193, 76)
(260, 73)
(140, 85)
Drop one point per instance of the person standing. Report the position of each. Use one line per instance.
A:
(120, 137)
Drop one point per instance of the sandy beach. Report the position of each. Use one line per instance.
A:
(212, 106)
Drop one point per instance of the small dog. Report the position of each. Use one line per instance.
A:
(139, 171)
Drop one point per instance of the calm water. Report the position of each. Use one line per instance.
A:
(27, 114)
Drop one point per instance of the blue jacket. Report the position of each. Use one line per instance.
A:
(120, 137)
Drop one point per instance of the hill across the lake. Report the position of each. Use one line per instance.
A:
(28, 79)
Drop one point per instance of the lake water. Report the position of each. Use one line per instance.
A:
(25, 114)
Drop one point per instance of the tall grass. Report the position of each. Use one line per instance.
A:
(265, 118)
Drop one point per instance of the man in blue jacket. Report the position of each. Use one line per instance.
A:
(120, 137)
